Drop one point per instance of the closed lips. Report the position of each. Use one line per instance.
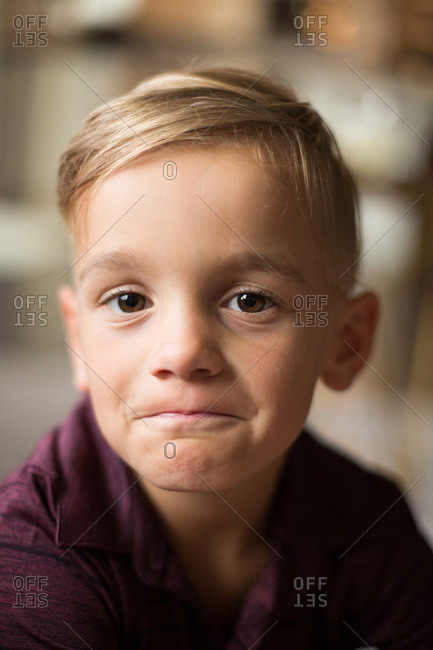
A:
(197, 410)
(184, 412)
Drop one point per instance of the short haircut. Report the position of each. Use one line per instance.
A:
(226, 108)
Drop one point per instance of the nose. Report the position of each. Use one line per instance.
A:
(184, 345)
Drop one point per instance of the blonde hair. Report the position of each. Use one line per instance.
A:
(225, 108)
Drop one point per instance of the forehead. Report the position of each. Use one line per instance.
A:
(193, 202)
(175, 175)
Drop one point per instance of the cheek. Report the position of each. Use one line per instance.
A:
(288, 377)
(111, 364)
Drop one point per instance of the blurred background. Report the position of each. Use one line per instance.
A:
(367, 66)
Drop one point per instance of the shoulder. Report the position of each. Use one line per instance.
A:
(36, 575)
(358, 531)
(31, 492)
(344, 497)
(28, 500)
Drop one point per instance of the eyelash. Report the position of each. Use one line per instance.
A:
(273, 297)
(114, 293)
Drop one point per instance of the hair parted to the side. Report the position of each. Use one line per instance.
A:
(225, 108)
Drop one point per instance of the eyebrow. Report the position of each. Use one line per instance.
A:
(118, 260)
(277, 264)
(121, 260)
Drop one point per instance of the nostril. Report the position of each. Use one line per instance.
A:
(195, 358)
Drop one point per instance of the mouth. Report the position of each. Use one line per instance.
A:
(173, 416)
(189, 416)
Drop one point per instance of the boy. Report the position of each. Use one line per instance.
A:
(181, 503)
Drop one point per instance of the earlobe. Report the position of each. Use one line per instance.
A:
(67, 298)
(354, 340)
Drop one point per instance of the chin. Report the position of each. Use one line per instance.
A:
(176, 482)
(184, 476)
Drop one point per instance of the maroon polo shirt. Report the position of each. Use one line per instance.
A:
(84, 562)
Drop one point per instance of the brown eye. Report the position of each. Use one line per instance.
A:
(250, 302)
(128, 303)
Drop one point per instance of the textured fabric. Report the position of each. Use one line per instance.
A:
(84, 561)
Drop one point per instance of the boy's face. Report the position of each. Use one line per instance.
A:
(185, 305)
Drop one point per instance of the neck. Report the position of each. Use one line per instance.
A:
(237, 515)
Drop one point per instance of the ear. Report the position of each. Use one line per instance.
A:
(67, 298)
(355, 333)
